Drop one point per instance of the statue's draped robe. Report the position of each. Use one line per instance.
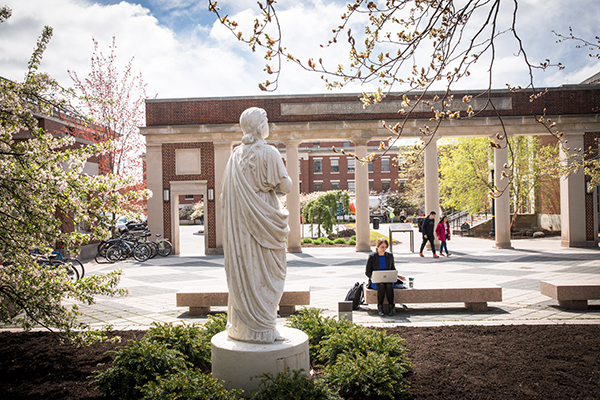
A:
(254, 231)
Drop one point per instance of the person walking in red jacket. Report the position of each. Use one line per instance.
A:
(442, 230)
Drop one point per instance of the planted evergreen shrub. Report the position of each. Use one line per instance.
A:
(373, 376)
(292, 385)
(356, 339)
(187, 339)
(188, 385)
(327, 241)
(352, 242)
(136, 364)
(306, 241)
(339, 241)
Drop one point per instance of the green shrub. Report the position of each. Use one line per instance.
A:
(317, 327)
(372, 376)
(214, 325)
(356, 339)
(136, 364)
(187, 339)
(327, 241)
(319, 240)
(353, 238)
(307, 241)
(340, 241)
(292, 385)
(352, 242)
(188, 385)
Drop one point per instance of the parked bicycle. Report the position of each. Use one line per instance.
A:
(52, 261)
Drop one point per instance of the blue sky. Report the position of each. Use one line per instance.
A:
(183, 53)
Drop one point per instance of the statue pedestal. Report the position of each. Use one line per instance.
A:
(235, 362)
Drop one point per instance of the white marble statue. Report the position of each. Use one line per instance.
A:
(255, 227)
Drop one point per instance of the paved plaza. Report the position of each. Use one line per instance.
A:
(331, 272)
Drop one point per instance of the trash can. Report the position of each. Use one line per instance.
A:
(376, 223)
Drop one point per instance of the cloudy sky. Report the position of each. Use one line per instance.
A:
(182, 52)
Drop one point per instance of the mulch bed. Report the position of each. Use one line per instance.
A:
(456, 362)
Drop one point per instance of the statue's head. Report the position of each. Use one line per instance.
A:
(254, 124)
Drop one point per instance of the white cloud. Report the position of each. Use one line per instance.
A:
(202, 60)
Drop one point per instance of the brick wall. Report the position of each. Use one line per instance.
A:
(563, 100)
(207, 174)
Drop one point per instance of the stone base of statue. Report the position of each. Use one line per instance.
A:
(235, 362)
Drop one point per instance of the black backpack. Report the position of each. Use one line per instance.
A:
(355, 295)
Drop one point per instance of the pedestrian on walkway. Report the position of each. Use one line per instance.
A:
(427, 228)
(442, 230)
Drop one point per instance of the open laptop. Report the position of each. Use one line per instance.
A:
(384, 276)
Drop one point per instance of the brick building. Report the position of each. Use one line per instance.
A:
(189, 142)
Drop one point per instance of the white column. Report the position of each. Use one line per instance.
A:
(222, 152)
(294, 244)
(572, 198)
(502, 202)
(363, 233)
(431, 177)
(154, 177)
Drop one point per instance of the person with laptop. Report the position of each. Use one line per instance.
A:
(382, 274)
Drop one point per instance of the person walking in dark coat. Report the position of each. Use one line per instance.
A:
(427, 228)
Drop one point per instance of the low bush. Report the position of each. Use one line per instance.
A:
(353, 238)
(327, 241)
(188, 385)
(356, 339)
(187, 339)
(136, 364)
(292, 385)
(373, 376)
(339, 241)
(307, 241)
(352, 242)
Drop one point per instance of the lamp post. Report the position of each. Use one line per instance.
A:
(493, 231)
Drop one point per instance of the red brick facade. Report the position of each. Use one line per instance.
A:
(207, 174)
(556, 101)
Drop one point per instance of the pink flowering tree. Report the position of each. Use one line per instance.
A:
(41, 185)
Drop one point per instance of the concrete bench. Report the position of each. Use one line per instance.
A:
(474, 297)
(572, 295)
(199, 300)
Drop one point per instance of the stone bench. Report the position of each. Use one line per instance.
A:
(475, 298)
(572, 295)
(199, 300)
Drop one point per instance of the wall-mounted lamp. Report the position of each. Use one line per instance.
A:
(589, 188)
(166, 195)
(211, 194)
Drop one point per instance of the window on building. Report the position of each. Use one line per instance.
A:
(385, 164)
(370, 184)
(370, 166)
(335, 185)
(189, 197)
(385, 185)
(401, 167)
(351, 164)
(316, 145)
(346, 145)
(300, 166)
(335, 165)
(351, 186)
(318, 186)
(318, 164)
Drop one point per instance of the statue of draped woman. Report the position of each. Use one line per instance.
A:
(255, 227)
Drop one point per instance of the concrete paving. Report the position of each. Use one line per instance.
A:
(332, 271)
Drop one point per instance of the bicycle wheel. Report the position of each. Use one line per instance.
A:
(70, 271)
(141, 252)
(77, 265)
(164, 248)
(153, 248)
(103, 246)
(114, 253)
